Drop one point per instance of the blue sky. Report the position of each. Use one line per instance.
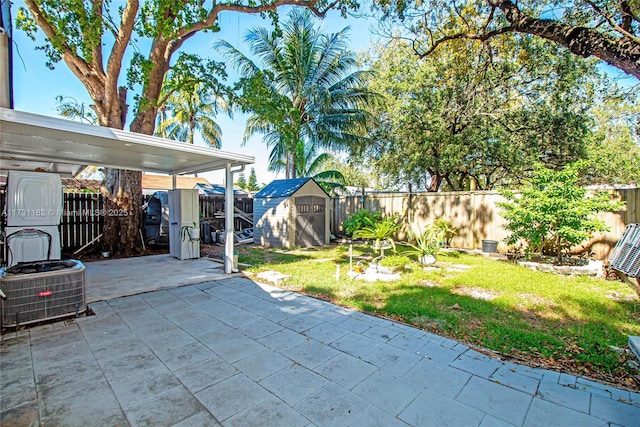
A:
(36, 87)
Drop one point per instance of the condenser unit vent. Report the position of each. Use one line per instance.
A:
(625, 256)
(43, 290)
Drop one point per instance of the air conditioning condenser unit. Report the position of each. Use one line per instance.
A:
(42, 290)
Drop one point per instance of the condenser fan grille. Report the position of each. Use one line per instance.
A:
(625, 256)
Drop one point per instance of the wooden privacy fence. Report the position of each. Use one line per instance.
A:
(83, 216)
(82, 219)
(474, 215)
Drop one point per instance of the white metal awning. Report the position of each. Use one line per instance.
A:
(35, 142)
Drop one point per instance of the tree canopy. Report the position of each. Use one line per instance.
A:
(191, 111)
(477, 118)
(605, 29)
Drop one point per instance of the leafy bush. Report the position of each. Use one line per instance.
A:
(427, 241)
(446, 227)
(360, 219)
(554, 213)
(380, 232)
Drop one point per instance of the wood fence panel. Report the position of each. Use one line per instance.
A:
(82, 219)
(83, 216)
(475, 215)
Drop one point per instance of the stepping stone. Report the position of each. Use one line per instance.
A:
(272, 277)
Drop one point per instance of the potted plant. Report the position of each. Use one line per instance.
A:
(380, 232)
(190, 232)
(427, 244)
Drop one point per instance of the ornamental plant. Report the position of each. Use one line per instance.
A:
(427, 241)
(362, 218)
(380, 233)
(554, 213)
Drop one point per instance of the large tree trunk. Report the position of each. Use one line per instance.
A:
(436, 181)
(122, 191)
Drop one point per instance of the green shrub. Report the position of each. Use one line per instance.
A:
(380, 232)
(427, 241)
(446, 228)
(362, 218)
(554, 212)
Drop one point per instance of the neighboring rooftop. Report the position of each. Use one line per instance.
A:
(218, 190)
(76, 185)
(152, 182)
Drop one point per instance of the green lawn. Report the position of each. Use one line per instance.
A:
(567, 323)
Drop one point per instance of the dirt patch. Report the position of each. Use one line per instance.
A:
(536, 300)
(477, 293)
(619, 297)
(214, 251)
(96, 255)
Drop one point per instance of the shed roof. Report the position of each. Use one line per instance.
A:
(283, 187)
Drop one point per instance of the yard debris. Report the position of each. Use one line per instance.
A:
(456, 307)
(458, 268)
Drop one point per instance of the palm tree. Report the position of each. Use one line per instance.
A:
(310, 163)
(189, 111)
(304, 93)
(70, 108)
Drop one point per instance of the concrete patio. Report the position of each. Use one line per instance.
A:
(229, 351)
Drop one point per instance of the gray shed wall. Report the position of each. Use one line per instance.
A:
(273, 222)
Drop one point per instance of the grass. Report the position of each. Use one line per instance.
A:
(568, 323)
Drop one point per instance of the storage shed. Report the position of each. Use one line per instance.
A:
(291, 212)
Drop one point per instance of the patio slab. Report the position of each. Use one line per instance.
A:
(171, 358)
(113, 278)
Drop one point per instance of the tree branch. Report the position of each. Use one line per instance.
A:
(231, 7)
(114, 64)
(93, 79)
(622, 53)
(611, 23)
(96, 7)
(468, 36)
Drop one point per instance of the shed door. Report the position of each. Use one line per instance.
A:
(310, 220)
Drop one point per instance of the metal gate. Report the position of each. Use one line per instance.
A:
(310, 220)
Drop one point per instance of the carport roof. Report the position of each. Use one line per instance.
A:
(31, 141)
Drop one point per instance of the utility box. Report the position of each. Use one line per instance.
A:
(33, 211)
(184, 216)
